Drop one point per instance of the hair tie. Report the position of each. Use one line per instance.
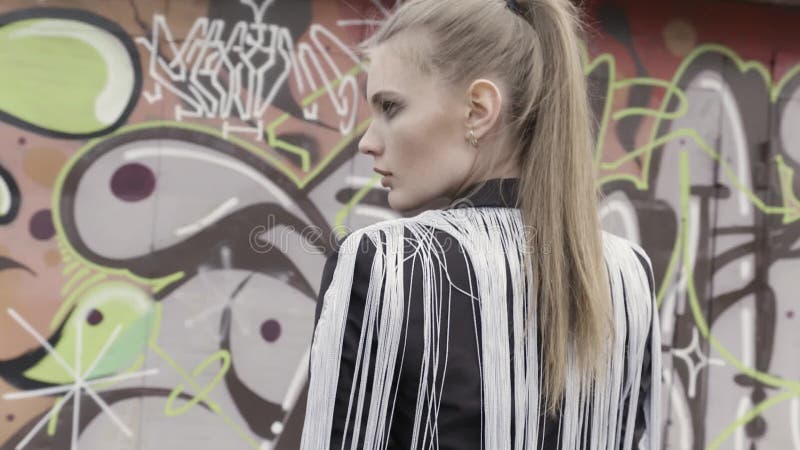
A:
(514, 7)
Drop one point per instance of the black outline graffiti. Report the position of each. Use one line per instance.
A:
(16, 198)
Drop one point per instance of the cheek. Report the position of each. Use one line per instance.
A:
(423, 141)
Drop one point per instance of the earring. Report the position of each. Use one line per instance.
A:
(472, 139)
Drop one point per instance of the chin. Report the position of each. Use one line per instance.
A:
(398, 202)
(401, 203)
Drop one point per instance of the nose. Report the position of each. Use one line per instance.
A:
(369, 144)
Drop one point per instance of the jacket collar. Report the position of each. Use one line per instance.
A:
(497, 192)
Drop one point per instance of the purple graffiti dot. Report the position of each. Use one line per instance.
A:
(94, 317)
(790, 314)
(41, 225)
(10, 417)
(21, 140)
(133, 182)
(270, 330)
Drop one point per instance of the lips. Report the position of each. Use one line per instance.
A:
(382, 172)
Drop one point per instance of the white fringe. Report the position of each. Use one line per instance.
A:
(493, 242)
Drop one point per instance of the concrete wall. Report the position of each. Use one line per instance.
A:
(173, 173)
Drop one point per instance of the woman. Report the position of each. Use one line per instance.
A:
(508, 319)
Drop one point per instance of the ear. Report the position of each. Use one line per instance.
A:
(485, 102)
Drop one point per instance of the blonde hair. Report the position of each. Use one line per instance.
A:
(536, 55)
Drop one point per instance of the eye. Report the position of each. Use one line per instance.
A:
(389, 108)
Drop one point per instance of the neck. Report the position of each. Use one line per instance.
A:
(508, 170)
(498, 158)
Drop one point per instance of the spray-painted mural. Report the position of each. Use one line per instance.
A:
(173, 174)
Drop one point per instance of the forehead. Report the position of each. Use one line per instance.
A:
(394, 65)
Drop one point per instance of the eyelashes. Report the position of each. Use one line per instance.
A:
(389, 108)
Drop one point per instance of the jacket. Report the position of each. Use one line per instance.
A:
(417, 334)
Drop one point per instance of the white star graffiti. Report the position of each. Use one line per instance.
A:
(694, 369)
(77, 387)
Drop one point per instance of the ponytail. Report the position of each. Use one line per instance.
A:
(559, 200)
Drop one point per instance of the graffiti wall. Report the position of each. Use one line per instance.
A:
(173, 174)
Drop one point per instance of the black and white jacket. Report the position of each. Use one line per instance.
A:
(418, 341)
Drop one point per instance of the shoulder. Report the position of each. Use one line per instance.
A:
(627, 255)
(348, 267)
(617, 246)
(355, 249)
(423, 232)
(397, 223)
(374, 234)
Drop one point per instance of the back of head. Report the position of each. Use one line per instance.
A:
(532, 48)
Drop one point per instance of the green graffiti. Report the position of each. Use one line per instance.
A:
(671, 90)
(792, 387)
(72, 298)
(53, 421)
(112, 310)
(190, 379)
(68, 268)
(75, 261)
(157, 284)
(69, 254)
(790, 207)
(74, 279)
(305, 158)
(272, 140)
(679, 256)
(224, 359)
(360, 129)
(750, 415)
(68, 76)
(790, 201)
(344, 213)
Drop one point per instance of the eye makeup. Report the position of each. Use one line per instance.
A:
(388, 107)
